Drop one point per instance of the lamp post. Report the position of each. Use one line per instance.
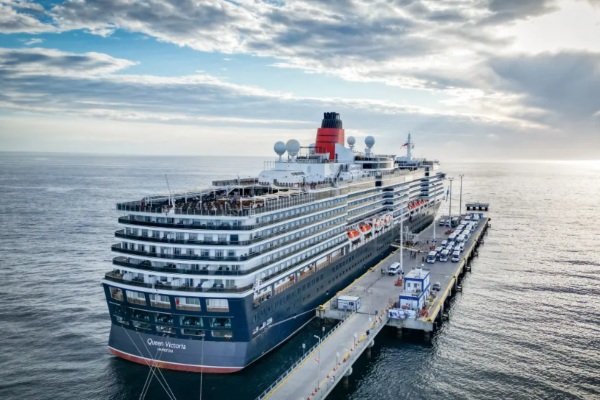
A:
(460, 201)
(201, 363)
(318, 363)
(401, 236)
(450, 205)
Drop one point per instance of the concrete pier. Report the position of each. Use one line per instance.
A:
(330, 362)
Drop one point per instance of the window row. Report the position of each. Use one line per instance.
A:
(164, 301)
(299, 210)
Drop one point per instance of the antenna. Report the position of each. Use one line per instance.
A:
(170, 194)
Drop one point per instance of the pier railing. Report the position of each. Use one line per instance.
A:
(306, 355)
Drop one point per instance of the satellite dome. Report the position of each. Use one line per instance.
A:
(369, 141)
(279, 148)
(293, 147)
(351, 140)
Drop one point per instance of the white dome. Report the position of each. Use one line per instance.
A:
(279, 148)
(351, 140)
(369, 141)
(293, 147)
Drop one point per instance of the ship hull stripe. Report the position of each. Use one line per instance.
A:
(173, 365)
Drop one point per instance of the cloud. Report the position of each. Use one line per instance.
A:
(563, 86)
(512, 10)
(38, 61)
(459, 49)
(33, 41)
(22, 16)
(89, 85)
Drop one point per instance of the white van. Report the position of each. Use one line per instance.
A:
(456, 256)
(444, 255)
(442, 222)
(460, 238)
(444, 243)
(452, 237)
(394, 269)
(431, 257)
(461, 247)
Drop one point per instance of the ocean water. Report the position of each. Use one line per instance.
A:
(527, 324)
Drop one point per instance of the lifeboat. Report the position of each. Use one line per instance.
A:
(378, 224)
(365, 229)
(354, 235)
(388, 219)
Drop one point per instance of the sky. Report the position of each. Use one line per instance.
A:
(470, 79)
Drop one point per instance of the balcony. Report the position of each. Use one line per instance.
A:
(202, 225)
(116, 277)
(147, 265)
(121, 234)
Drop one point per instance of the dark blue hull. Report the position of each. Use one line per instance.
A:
(288, 312)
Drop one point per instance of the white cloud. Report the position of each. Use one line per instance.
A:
(33, 41)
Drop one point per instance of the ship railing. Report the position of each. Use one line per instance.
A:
(249, 205)
(226, 227)
(216, 288)
(306, 355)
(119, 249)
(121, 234)
(122, 261)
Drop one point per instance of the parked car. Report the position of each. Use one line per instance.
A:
(444, 255)
(394, 269)
(456, 256)
(431, 257)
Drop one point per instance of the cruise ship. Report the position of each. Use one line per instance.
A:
(212, 280)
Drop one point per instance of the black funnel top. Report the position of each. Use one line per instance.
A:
(331, 120)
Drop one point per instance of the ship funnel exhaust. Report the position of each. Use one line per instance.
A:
(330, 133)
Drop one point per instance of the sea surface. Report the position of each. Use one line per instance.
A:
(526, 326)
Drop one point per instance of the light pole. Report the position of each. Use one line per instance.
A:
(450, 205)
(201, 363)
(401, 235)
(460, 201)
(318, 363)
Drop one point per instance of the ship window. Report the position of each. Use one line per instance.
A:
(187, 303)
(135, 297)
(222, 334)
(140, 325)
(217, 305)
(164, 318)
(193, 332)
(141, 315)
(191, 321)
(159, 300)
(164, 329)
(116, 294)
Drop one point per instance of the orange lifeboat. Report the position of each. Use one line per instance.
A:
(365, 228)
(388, 219)
(353, 235)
